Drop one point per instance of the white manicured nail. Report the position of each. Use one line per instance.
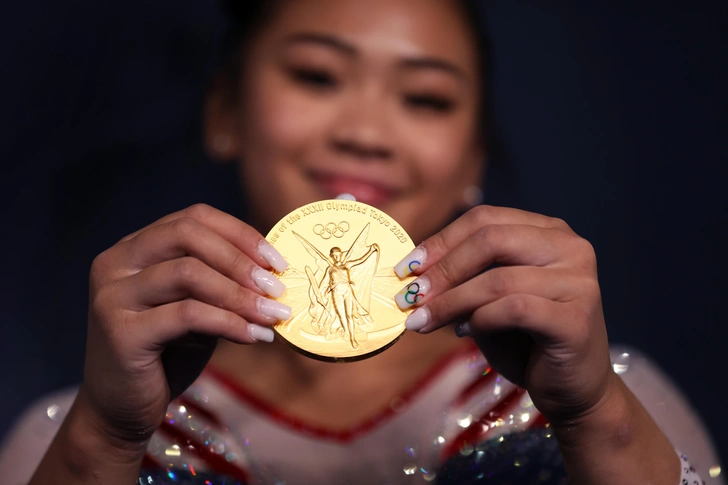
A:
(267, 282)
(272, 256)
(412, 293)
(260, 334)
(273, 309)
(346, 197)
(411, 262)
(418, 319)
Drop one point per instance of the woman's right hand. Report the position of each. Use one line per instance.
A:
(159, 300)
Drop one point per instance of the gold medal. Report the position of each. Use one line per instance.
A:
(340, 282)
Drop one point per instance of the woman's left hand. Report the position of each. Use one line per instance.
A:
(537, 316)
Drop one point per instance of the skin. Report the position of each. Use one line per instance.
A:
(538, 320)
(372, 110)
(391, 98)
(161, 297)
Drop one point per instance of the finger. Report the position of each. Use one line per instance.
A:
(502, 244)
(190, 278)
(168, 322)
(238, 233)
(435, 247)
(459, 303)
(542, 318)
(187, 237)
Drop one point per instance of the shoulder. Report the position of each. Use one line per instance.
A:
(669, 407)
(30, 437)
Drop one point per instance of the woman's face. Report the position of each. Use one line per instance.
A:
(376, 98)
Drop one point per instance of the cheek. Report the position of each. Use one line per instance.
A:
(278, 130)
(441, 152)
(277, 123)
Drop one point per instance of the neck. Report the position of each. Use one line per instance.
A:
(336, 396)
(280, 360)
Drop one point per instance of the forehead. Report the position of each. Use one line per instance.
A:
(394, 28)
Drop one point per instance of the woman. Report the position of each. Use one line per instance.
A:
(382, 100)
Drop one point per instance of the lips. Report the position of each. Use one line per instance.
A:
(368, 191)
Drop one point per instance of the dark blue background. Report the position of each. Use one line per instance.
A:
(612, 116)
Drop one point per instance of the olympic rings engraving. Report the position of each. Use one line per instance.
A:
(331, 229)
(412, 293)
(417, 265)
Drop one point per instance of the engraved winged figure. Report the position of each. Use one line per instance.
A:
(340, 288)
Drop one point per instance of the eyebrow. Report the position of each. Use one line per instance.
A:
(350, 50)
(324, 40)
(434, 63)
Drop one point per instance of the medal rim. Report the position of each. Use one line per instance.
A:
(326, 358)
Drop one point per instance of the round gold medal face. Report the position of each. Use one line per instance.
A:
(340, 282)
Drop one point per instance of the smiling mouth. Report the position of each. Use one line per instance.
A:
(367, 191)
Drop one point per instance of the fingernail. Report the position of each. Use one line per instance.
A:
(412, 293)
(260, 334)
(418, 319)
(267, 282)
(273, 309)
(462, 329)
(411, 262)
(272, 256)
(346, 197)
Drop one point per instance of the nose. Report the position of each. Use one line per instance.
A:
(361, 129)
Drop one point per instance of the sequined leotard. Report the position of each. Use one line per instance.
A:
(462, 421)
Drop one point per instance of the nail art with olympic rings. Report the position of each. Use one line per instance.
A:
(411, 262)
(412, 293)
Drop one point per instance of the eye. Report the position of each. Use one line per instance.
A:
(315, 78)
(429, 102)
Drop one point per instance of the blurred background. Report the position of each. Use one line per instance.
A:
(611, 115)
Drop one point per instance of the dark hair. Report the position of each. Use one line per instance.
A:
(247, 17)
